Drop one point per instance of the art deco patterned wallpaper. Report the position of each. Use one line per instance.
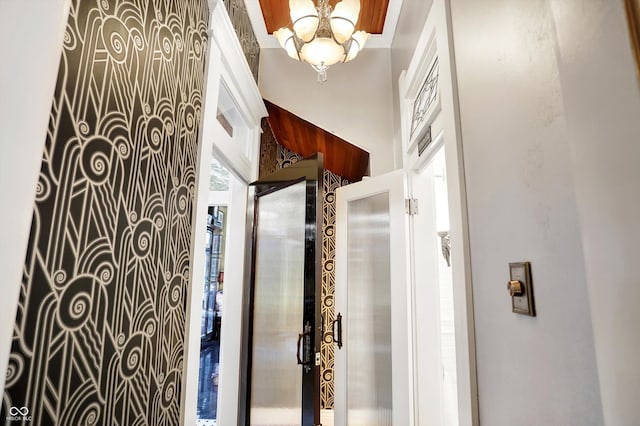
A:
(270, 152)
(242, 25)
(100, 329)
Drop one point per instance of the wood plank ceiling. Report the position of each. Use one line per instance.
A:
(372, 14)
(306, 139)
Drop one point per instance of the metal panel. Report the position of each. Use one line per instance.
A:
(369, 368)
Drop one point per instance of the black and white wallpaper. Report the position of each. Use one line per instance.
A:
(237, 11)
(100, 329)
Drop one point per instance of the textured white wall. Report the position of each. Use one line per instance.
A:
(522, 207)
(354, 104)
(31, 34)
(602, 98)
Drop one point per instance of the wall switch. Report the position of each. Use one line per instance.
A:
(521, 288)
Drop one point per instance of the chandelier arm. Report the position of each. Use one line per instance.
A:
(295, 45)
(298, 43)
(344, 19)
(333, 35)
(304, 17)
(348, 49)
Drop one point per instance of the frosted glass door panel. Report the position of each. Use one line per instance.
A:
(276, 379)
(369, 395)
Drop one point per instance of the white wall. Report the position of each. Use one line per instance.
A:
(522, 207)
(354, 104)
(31, 34)
(602, 99)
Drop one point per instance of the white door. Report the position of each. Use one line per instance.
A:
(387, 371)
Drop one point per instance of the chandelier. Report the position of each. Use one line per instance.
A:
(322, 37)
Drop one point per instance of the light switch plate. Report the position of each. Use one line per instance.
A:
(522, 304)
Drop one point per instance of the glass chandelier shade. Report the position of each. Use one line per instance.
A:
(322, 37)
(344, 18)
(304, 16)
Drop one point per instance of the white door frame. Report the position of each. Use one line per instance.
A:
(444, 118)
(226, 65)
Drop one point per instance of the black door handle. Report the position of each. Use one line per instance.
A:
(300, 337)
(336, 332)
(305, 359)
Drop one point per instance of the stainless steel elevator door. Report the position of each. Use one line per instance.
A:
(276, 379)
(369, 367)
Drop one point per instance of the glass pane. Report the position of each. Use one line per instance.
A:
(276, 379)
(211, 314)
(219, 177)
(369, 401)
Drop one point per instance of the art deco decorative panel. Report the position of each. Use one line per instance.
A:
(99, 334)
(268, 150)
(331, 182)
(287, 157)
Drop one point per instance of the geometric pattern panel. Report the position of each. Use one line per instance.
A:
(286, 157)
(100, 331)
(331, 182)
(268, 151)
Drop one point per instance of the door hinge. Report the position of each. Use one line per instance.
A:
(411, 206)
